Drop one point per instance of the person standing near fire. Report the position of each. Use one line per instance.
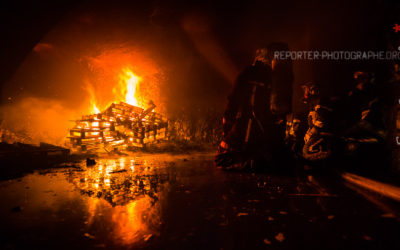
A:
(254, 119)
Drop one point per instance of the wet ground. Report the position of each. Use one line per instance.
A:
(185, 202)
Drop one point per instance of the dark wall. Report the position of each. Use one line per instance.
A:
(22, 26)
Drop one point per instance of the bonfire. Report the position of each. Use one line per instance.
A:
(120, 125)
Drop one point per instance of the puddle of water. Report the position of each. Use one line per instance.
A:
(123, 193)
(117, 201)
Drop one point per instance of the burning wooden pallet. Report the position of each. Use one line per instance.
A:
(119, 125)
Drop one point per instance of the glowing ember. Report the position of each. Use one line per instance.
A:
(123, 123)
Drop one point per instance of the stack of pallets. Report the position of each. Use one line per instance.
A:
(119, 125)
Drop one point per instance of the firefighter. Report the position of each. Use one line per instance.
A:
(318, 137)
(296, 123)
(345, 125)
(254, 119)
(365, 114)
(362, 108)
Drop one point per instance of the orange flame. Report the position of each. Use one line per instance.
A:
(129, 82)
(94, 108)
(126, 89)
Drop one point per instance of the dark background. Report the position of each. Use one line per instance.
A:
(239, 27)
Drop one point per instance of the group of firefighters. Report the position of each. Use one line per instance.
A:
(259, 128)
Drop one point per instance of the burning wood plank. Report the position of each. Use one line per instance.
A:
(119, 125)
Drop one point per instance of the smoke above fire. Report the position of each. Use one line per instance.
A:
(35, 120)
(93, 58)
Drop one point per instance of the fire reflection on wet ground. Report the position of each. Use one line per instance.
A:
(115, 202)
(185, 202)
(128, 189)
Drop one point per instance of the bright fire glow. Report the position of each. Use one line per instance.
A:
(130, 81)
(126, 89)
(95, 109)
